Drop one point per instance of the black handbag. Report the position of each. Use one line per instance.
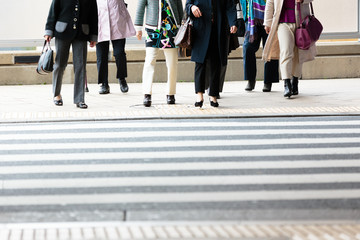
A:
(240, 22)
(46, 60)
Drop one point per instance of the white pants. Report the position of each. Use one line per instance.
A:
(171, 56)
(289, 53)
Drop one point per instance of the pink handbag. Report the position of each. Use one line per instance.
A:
(309, 30)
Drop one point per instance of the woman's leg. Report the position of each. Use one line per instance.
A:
(102, 55)
(249, 54)
(271, 68)
(215, 63)
(121, 63)
(61, 60)
(287, 44)
(120, 58)
(79, 60)
(149, 69)
(286, 38)
(171, 56)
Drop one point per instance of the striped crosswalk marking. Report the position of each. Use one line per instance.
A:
(171, 164)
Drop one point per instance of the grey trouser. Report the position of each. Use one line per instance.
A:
(79, 49)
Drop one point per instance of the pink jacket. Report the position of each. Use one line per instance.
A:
(114, 20)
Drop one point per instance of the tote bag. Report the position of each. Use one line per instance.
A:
(46, 60)
(309, 30)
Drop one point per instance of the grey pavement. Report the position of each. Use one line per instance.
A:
(33, 103)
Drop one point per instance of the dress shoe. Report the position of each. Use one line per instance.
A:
(294, 85)
(170, 99)
(250, 85)
(214, 104)
(104, 89)
(267, 87)
(123, 85)
(81, 105)
(147, 100)
(58, 102)
(287, 88)
(199, 104)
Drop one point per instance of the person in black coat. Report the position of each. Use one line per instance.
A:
(72, 23)
(211, 19)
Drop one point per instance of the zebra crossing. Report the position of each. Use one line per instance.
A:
(207, 169)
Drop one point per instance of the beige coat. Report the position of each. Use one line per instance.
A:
(271, 19)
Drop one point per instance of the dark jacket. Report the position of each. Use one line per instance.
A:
(225, 16)
(68, 20)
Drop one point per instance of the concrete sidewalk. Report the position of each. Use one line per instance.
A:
(33, 103)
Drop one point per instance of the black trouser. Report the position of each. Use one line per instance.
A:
(271, 69)
(212, 58)
(102, 54)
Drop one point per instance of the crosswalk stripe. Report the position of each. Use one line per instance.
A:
(176, 154)
(165, 164)
(180, 197)
(179, 181)
(179, 143)
(179, 166)
(178, 124)
(133, 134)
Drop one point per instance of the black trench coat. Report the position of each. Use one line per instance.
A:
(225, 17)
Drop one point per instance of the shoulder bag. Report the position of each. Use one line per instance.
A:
(240, 23)
(183, 37)
(46, 60)
(309, 30)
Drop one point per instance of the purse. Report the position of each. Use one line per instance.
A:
(309, 30)
(183, 38)
(46, 60)
(240, 22)
(184, 52)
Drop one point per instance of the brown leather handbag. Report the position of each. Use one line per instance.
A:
(183, 38)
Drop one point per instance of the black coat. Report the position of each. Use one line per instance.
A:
(225, 16)
(68, 20)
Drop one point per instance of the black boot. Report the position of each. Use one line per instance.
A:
(123, 85)
(250, 86)
(287, 88)
(267, 87)
(294, 84)
(147, 100)
(104, 88)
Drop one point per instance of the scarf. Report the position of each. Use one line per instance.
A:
(255, 10)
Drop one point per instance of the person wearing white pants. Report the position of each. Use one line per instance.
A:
(281, 21)
(162, 24)
(171, 57)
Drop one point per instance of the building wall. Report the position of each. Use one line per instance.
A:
(25, 19)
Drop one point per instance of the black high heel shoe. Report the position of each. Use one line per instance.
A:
(199, 104)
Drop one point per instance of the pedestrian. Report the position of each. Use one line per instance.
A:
(281, 21)
(211, 21)
(163, 19)
(115, 25)
(72, 23)
(255, 34)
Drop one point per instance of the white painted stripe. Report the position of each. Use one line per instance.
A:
(152, 124)
(179, 166)
(179, 181)
(179, 197)
(178, 154)
(179, 143)
(133, 134)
